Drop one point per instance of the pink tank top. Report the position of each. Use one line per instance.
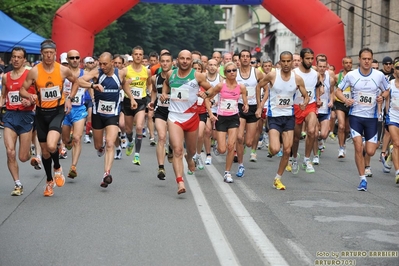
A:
(228, 100)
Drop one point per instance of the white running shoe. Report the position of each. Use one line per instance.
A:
(208, 160)
(227, 178)
(87, 139)
(316, 160)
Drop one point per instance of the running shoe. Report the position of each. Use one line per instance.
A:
(278, 185)
(32, 150)
(397, 179)
(200, 163)
(63, 153)
(215, 149)
(309, 167)
(316, 160)
(212, 142)
(123, 143)
(252, 157)
(152, 142)
(280, 153)
(48, 189)
(36, 163)
(388, 161)
(87, 139)
(161, 174)
(383, 160)
(260, 144)
(170, 157)
(144, 133)
(208, 160)
(240, 171)
(59, 177)
(265, 140)
(303, 135)
(101, 151)
(69, 145)
(129, 148)
(227, 178)
(341, 153)
(118, 153)
(136, 159)
(18, 190)
(332, 136)
(72, 172)
(295, 167)
(362, 186)
(367, 172)
(107, 179)
(288, 168)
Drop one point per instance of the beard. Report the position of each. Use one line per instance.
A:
(306, 67)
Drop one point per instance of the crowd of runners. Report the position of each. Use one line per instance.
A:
(190, 104)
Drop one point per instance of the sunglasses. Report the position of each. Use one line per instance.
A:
(231, 70)
(74, 57)
(397, 68)
(90, 63)
(387, 63)
(253, 62)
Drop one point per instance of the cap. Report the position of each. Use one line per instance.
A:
(88, 59)
(129, 58)
(63, 58)
(387, 59)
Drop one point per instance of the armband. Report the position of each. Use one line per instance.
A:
(92, 85)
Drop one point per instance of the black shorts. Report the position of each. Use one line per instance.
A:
(203, 117)
(19, 121)
(250, 116)
(161, 113)
(281, 123)
(47, 120)
(340, 106)
(100, 122)
(141, 104)
(225, 122)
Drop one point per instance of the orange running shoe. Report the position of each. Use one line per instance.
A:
(36, 163)
(59, 177)
(48, 189)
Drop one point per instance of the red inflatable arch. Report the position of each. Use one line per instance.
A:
(78, 21)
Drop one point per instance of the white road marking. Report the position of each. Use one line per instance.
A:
(300, 252)
(220, 244)
(249, 193)
(268, 253)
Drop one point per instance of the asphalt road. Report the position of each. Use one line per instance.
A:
(140, 220)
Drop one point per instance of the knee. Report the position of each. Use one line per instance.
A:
(178, 152)
(11, 154)
(76, 139)
(52, 148)
(24, 157)
(240, 139)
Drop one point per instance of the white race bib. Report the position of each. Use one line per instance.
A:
(179, 94)
(106, 108)
(77, 100)
(395, 103)
(50, 94)
(251, 93)
(228, 105)
(283, 101)
(366, 99)
(164, 103)
(14, 98)
(137, 93)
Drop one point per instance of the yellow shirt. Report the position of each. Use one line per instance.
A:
(138, 86)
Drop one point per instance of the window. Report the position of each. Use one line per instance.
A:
(350, 27)
(384, 33)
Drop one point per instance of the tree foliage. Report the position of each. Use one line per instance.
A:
(152, 26)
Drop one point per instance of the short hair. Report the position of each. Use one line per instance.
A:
(321, 60)
(146, 57)
(227, 65)
(286, 53)
(304, 51)
(166, 54)
(375, 61)
(365, 49)
(321, 55)
(154, 54)
(18, 48)
(196, 52)
(346, 57)
(137, 47)
(244, 51)
(119, 56)
(198, 62)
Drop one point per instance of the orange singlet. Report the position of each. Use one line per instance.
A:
(49, 87)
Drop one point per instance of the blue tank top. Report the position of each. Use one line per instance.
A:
(106, 103)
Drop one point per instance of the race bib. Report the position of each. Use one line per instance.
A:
(179, 94)
(283, 101)
(106, 108)
(324, 106)
(366, 99)
(310, 92)
(137, 93)
(200, 101)
(77, 100)
(14, 98)
(395, 103)
(50, 94)
(251, 93)
(228, 105)
(164, 103)
(347, 94)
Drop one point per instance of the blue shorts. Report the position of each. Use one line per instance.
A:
(77, 113)
(281, 123)
(366, 127)
(322, 117)
(19, 121)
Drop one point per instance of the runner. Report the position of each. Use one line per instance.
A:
(77, 117)
(18, 118)
(367, 87)
(161, 111)
(89, 65)
(227, 120)
(183, 84)
(280, 95)
(138, 78)
(51, 106)
(106, 108)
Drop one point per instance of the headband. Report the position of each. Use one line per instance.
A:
(49, 45)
